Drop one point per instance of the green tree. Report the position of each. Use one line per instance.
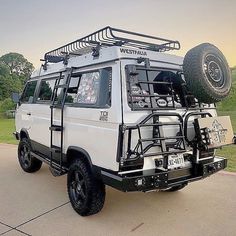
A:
(4, 70)
(17, 64)
(7, 104)
(14, 71)
(8, 85)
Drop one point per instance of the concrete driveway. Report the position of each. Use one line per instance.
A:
(37, 204)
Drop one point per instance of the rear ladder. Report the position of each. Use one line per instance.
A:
(58, 102)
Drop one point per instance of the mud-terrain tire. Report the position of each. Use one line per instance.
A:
(86, 193)
(207, 74)
(27, 162)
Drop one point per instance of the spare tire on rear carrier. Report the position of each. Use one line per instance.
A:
(207, 74)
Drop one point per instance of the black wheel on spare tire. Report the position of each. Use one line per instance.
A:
(207, 74)
(27, 162)
(86, 193)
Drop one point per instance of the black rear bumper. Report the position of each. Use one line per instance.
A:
(158, 179)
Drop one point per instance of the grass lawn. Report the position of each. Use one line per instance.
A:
(229, 151)
(7, 127)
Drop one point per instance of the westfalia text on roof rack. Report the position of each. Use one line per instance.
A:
(106, 37)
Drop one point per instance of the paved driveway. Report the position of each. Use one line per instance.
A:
(37, 204)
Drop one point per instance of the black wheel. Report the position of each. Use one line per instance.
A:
(86, 193)
(207, 73)
(175, 188)
(27, 162)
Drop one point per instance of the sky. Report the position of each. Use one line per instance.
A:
(33, 27)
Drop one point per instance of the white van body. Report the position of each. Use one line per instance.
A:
(83, 127)
(135, 136)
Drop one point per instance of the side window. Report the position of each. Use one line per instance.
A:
(88, 90)
(28, 94)
(45, 90)
(91, 89)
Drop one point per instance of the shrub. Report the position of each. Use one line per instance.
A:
(7, 104)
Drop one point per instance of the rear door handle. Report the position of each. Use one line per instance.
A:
(29, 114)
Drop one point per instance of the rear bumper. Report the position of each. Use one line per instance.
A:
(157, 179)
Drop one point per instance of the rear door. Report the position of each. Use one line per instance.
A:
(149, 101)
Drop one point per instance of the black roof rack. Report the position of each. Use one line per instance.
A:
(106, 37)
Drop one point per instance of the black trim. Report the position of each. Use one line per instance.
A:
(23, 130)
(40, 148)
(47, 160)
(120, 143)
(80, 150)
(120, 132)
(44, 152)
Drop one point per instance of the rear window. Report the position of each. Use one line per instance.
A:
(150, 89)
(28, 94)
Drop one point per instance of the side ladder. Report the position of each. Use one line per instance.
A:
(58, 102)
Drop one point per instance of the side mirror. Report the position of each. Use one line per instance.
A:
(15, 97)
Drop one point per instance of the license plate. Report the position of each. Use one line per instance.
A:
(175, 161)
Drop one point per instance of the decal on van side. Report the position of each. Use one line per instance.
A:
(132, 51)
(104, 116)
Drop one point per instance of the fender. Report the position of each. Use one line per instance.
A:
(82, 151)
(95, 169)
(24, 131)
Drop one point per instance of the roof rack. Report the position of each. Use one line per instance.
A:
(106, 37)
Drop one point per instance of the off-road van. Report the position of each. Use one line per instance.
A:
(113, 108)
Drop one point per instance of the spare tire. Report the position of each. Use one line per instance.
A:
(207, 74)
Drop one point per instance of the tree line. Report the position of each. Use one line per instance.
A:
(15, 69)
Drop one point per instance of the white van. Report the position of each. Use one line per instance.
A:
(113, 108)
